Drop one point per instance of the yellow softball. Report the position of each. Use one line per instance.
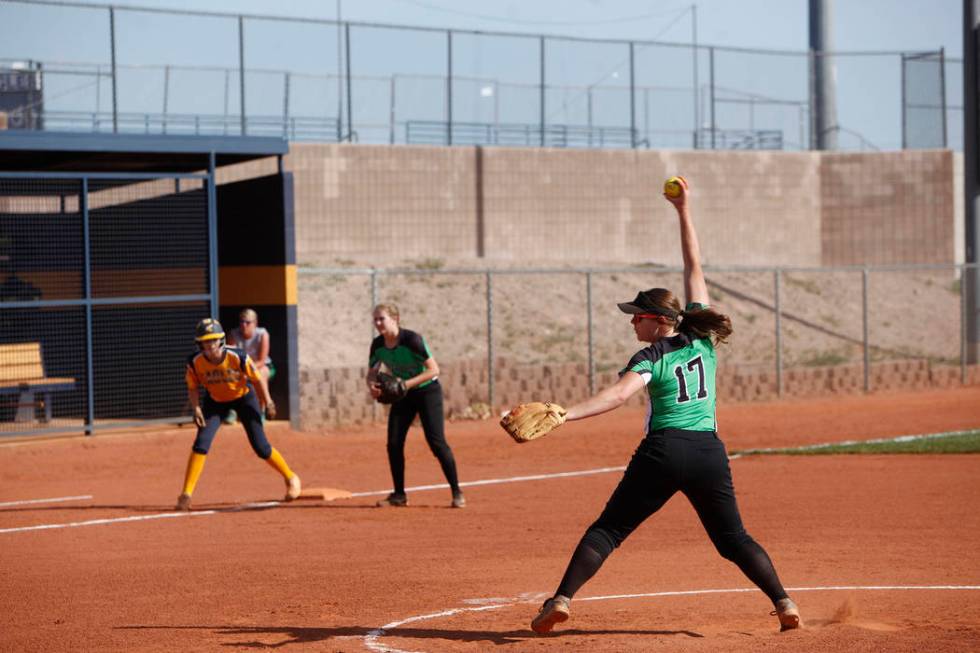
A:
(672, 187)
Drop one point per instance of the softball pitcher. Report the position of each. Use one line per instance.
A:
(681, 451)
(230, 383)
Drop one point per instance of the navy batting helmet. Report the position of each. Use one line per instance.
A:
(208, 329)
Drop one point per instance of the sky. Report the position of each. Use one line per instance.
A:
(771, 24)
(54, 33)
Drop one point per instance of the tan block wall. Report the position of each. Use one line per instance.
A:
(606, 205)
(337, 397)
(888, 208)
(389, 203)
(551, 205)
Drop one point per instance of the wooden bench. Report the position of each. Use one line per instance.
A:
(22, 373)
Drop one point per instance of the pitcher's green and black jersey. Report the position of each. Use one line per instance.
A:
(680, 377)
(406, 359)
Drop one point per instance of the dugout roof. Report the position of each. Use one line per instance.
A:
(41, 151)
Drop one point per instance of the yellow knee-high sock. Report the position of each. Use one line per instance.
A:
(277, 461)
(195, 465)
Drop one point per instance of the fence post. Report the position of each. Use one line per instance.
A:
(241, 68)
(285, 105)
(374, 302)
(112, 54)
(904, 119)
(449, 87)
(212, 234)
(779, 332)
(963, 323)
(89, 354)
(490, 366)
(350, 106)
(588, 305)
(864, 328)
(340, 78)
(98, 88)
(393, 85)
(542, 91)
(166, 95)
(224, 129)
(942, 91)
(694, 59)
(711, 91)
(632, 98)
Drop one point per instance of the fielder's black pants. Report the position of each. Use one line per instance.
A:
(247, 408)
(666, 462)
(427, 404)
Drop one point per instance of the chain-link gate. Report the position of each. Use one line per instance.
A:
(102, 278)
(924, 101)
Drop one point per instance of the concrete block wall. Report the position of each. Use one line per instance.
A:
(517, 204)
(337, 397)
(888, 208)
(550, 204)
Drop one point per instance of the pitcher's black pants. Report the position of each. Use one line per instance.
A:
(666, 462)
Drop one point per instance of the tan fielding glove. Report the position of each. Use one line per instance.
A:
(530, 421)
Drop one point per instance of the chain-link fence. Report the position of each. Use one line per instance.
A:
(784, 318)
(103, 277)
(323, 80)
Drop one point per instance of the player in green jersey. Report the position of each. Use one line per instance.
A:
(407, 356)
(681, 451)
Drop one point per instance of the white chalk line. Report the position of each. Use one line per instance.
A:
(135, 518)
(498, 481)
(81, 497)
(443, 486)
(271, 504)
(371, 639)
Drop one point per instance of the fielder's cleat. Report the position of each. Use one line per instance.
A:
(459, 501)
(788, 614)
(293, 488)
(554, 611)
(397, 499)
(183, 502)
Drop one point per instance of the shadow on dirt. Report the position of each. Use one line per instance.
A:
(305, 635)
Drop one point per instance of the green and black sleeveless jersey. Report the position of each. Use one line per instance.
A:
(680, 377)
(406, 359)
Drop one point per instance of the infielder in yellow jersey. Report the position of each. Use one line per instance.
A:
(230, 383)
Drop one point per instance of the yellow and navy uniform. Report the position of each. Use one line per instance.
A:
(228, 386)
(225, 381)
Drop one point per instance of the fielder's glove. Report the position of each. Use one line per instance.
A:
(392, 388)
(530, 421)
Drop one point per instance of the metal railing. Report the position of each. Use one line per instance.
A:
(369, 78)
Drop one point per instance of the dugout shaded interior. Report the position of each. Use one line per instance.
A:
(109, 254)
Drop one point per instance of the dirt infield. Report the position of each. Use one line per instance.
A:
(883, 549)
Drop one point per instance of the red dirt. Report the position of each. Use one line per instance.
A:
(323, 576)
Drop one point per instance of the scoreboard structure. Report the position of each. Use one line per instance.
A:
(21, 97)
